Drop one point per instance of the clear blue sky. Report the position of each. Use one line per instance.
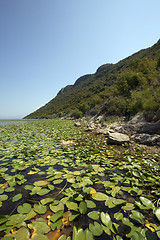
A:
(47, 44)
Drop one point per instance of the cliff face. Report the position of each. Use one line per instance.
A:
(124, 88)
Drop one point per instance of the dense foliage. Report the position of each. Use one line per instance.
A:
(59, 182)
(125, 88)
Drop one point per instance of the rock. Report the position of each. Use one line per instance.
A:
(118, 138)
(147, 139)
(150, 128)
(77, 124)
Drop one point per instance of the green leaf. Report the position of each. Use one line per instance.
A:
(119, 201)
(47, 200)
(96, 229)
(72, 205)
(157, 213)
(39, 208)
(56, 216)
(38, 236)
(43, 191)
(25, 208)
(146, 202)
(83, 207)
(22, 234)
(106, 220)
(40, 183)
(88, 235)
(17, 197)
(73, 216)
(118, 216)
(30, 215)
(63, 237)
(94, 215)
(137, 236)
(99, 196)
(128, 206)
(139, 217)
(3, 197)
(90, 204)
(56, 208)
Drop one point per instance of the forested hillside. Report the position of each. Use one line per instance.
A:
(123, 89)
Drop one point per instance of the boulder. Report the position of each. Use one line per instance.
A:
(118, 138)
(147, 139)
(77, 124)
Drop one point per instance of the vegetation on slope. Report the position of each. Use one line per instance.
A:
(122, 89)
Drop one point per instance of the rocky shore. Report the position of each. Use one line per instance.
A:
(118, 132)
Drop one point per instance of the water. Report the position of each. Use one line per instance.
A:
(12, 121)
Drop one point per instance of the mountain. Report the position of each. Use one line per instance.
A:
(123, 89)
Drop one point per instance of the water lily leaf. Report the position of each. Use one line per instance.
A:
(118, 201)
(43, 191)
(3, 219)
(63, 237)
(72, 205)
(40, 183)
(99, 196)
(39, 227)
(3, 197)
(139, 217)
(28, 187)
(56, 225)
(94, 215)
(106, 220)
(88, 234)
(57, 208)
(24, 209)
(73, 215)
(146, 202)
(96, 229)
(47, 200)
(90, 204)
(7, 238)
(157, 213)
(39, 237)
(118, 216)
(15, 219)
(57, 181)
(39, 208)
(80, 234)
(106, 229)
(17, 197)
(128, 206)
(30, 215)
(137, 236)
(56, 216)
(22, 234)
(51, 187)
(83, 207)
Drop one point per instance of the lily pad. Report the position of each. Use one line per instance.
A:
(157, 213)
(39, 208)
(39, 237)
(17, 197)
(94, 215)
(56, 208)
(106, 220)
(24, 209)
(72, 205)
(56, 216)
(83, 207)
(40, 227)
(96, 229)
(99, 196)
(22, 234)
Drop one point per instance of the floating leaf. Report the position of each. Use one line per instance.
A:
(147, 203)
(88, 235)
(137, 236)
(73, 216)
(56, 208)
(40, 183)
(139, 217)
(57, 181)
(22, 234)
(96, 229)
(39, 237)
(43, 191)
(72, 205)
(90, 204)
(17, 197)
(106, 220)
(47, 200)
(118, 216)
(39, 227)
(99, 196)
(119, 201)
(30, 215)
(128, 206)
(39, 208)
(157, 213)
(56, 216)
(94, 215)
(25, 208)
(3, 197)
(83, 207)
